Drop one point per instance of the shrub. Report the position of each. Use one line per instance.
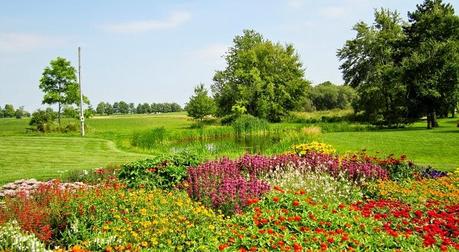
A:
(247, 125)
(43, 120)
(159, 172)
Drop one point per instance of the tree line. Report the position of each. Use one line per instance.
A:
(122, 107)
(395, 72)
(8, 111)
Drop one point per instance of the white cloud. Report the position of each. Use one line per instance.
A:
(333, 12)
(295, 3)
(173, 20)
(26, 42)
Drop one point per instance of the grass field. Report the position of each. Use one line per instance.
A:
(49, 157)
(438, 148)
(25, 155)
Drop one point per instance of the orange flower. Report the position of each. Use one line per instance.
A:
(296, 203)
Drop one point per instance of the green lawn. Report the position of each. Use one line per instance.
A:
(108, 141)
(438, 147)
(47, 157)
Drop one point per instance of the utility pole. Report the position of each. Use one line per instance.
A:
(81, 94)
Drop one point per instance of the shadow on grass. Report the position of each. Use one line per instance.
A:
(447, 131)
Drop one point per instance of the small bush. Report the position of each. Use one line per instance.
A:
(43, 120)
(160, 172)
(247, 125)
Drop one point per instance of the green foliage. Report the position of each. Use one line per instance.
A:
(159, 172)
(248, 124)
(266, 78)
(43, 120)
(150, 138)
(200, 104)
(371, 65)
(403, 71)
(431, 62)
(20, 112)
(70, 112)
(327, 96)
(8, 111)
(59, 83)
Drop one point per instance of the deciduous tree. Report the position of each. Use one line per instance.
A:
(59, 83)
(266, 78)
(200, 104)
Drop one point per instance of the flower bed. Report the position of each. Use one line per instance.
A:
(289, 202)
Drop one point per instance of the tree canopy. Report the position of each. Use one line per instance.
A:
(431, 63)
(405, 70)
(59, 83)
(264, 77)
(200, 104)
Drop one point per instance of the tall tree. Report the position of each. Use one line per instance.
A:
(266, 78)
(123, 107)
(431, 65)
(371, 65)
(200, 104)
(132, 108)
(59, 83)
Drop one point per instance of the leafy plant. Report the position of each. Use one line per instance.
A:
(159, 172)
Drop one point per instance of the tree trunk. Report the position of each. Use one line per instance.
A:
(429, 121)
(434, 119)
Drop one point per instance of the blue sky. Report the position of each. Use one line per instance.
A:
(157, 51)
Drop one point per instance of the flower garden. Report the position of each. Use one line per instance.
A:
(310, 199)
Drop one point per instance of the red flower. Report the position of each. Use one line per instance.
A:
(252, 201)
(297, 247)
(276, 199)
(222, 247)
(296, 203)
